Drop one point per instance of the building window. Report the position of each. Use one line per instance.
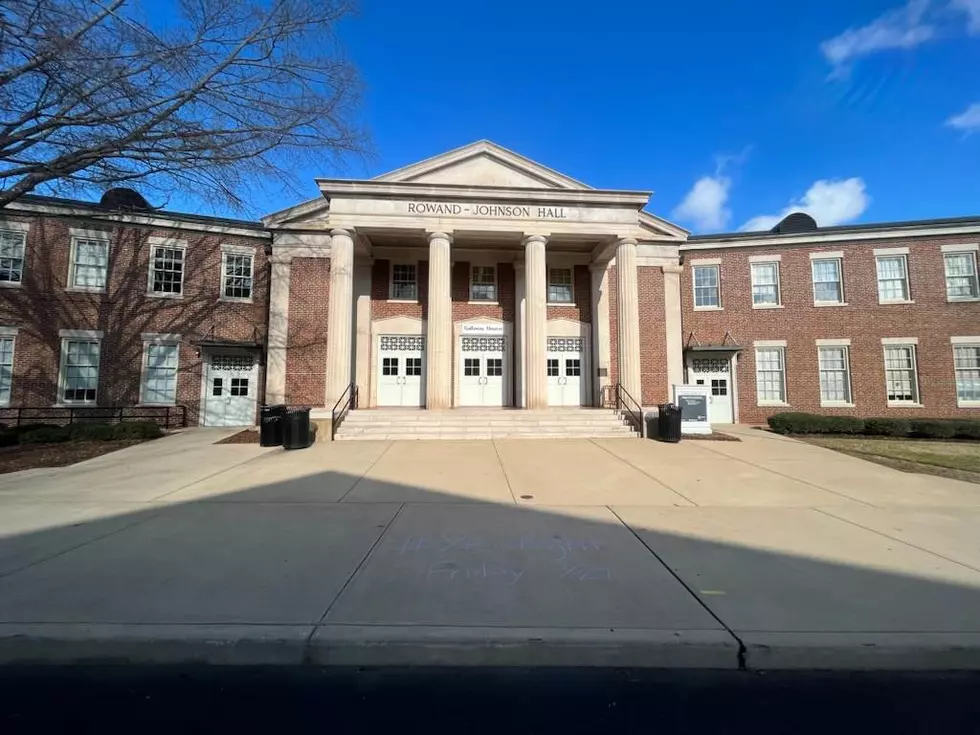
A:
(167, 270)
(901, 380)
(827, 282)
(483, 283)
(6, 368)
(707, 293)
(560, 286)
(89, 264)
(471, 366)
(770, 374)
(79, 370)
(835, 374)
(961, 276)
(765, 284)
(236, 272)
(160, 376)
(893, 279)
(12, 256)
(404, 282)
(552, 368)
(966, 364)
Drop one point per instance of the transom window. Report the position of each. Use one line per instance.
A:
(237, 276)
(966, 364)
(483, 283)
(893, 280)
(560, 286)
(79, 370)
(835, 374)
(6, 369)
(828, 287)
(12, 256)
(90, 263)
(167, 270)
(404, 282)
(901, 380)
(707, 293)
(770, 374)
(961, 276)
(160, 380)
(765, 284)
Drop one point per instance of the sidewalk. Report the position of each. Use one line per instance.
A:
(619, 553)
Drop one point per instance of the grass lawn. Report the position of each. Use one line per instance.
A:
(29, 456)
(959, 460)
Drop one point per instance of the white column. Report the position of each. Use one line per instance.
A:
(439, 340)
(629, 318)
(278, 337)
(601, 343)
(672, 322)
(536, 310)
(340, 318)
(520, 328)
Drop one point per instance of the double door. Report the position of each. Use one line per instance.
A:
(401, 370)
(565, 363)
(716, 374)
(483, 367)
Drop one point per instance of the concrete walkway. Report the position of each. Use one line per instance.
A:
(764, 553)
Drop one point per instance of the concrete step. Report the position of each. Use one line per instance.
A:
(494, 430)
(457, 436)
(466, 424)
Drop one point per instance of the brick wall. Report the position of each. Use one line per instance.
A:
(306, 352)
(653, 336)
(42, 306)
(864, 321)
(581, 310)
(382, 308)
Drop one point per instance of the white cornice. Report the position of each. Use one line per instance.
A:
(811, 238)
(306, 209)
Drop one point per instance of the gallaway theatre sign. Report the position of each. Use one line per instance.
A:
(492, 211)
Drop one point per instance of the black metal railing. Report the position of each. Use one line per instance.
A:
(169, 417)
(347, 401)
(631, 410)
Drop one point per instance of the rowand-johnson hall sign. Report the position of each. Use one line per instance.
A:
(501, 211)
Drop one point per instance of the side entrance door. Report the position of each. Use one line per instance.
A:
(401, 370)
(565, 367)
(483, 379)
(715, 373)
(231, 388)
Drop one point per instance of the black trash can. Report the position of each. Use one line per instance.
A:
(651, 422)
(296, 432)
(669, 423)
(270, 425)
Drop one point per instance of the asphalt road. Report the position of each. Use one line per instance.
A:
(121, 698)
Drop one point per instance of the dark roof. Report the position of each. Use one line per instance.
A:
(901, 225)
(98, 208)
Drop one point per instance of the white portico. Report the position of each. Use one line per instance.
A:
(474, 278)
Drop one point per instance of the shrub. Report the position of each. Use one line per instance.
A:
(887, 427)
(92, 432)
(792, 422)
(137, 430)
(844, 425)
(967, 428)
(26, 428)
(8, 439)
(47, 435)
(933, 429)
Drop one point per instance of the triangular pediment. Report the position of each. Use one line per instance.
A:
(483, 164)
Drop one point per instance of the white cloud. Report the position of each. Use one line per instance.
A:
(902, 28)
(829, 201)
(972, 10)
(704, 205)
(968, 121)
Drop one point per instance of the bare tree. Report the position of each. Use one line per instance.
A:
(213, 97)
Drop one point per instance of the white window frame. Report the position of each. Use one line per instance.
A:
(11, 334)
(969, 251)
(912, 344)
(21, 229)
(77, 335)
(716, 265)
(92, 236)
(764, 260)
(780, 347)
(963, 342)
(163, 242)
(237, 251)
(391, 282)
(838, 257)
(570, 284)
(845, 346)
(158, 340)
(496, 286)
(894, 254)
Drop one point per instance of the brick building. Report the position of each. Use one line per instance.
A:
(481, 278)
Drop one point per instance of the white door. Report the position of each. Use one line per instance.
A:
(565, 368)
(715, 373)
(482, 366)
(401, 370)
(231, 388)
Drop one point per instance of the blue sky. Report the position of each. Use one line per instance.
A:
(857, 110)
